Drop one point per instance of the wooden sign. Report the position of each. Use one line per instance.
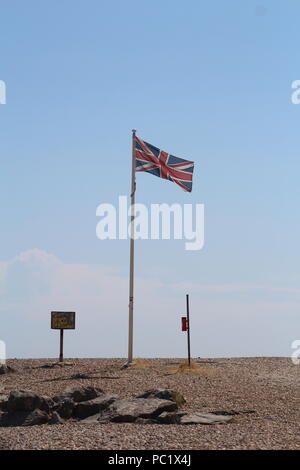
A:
(63, 320)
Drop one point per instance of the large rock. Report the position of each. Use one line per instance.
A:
(23, 400)
(164, 394)
(47, 404)
(64, 408)
(204, 418)
(55, 418)
(148, 408)
(145, 410)
(24, 418)
(36, 417)
(91, 407)
(3, 402)
(79, 394)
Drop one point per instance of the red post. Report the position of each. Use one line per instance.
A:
(188, 328)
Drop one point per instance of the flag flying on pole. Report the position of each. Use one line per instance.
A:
(159, 163)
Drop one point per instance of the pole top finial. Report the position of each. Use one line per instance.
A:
(133, 131)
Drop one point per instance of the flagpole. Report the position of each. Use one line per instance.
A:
(131, 281)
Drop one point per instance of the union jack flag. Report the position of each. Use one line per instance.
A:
(162, 164)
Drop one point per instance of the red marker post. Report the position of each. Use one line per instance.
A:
(185, 326)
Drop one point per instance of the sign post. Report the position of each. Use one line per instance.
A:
(61, 346)
(185, 326)
(188, 328)
(62, 321)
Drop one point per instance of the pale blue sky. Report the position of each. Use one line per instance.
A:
(206, 81)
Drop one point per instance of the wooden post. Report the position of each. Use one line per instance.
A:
(61, 347)
(188, 328)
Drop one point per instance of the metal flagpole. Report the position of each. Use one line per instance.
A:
(131, 281)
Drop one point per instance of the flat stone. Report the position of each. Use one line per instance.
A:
(204, 418)
(233, 412)
(93, 419)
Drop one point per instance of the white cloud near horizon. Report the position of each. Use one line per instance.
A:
(226, 319)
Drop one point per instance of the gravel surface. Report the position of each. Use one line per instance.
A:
(268, 386)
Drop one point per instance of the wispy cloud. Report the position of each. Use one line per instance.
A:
(35, 282)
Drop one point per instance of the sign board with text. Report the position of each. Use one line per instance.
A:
(63, 320)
